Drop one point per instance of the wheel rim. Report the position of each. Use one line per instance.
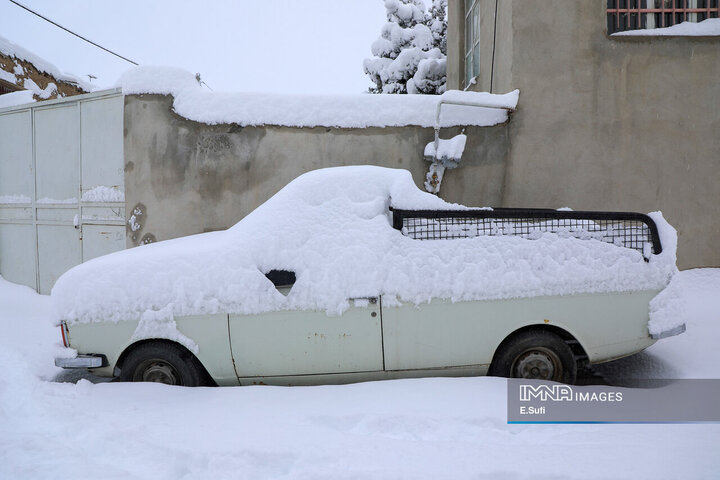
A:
(537, 363)
(158, 371)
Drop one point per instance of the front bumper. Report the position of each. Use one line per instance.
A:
(82, 361)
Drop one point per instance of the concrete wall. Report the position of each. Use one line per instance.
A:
(611, 123)
(183, 177)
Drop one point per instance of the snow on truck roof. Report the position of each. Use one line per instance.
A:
(332, 228)
(195, 102)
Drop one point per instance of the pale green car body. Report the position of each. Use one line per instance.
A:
(373, 341)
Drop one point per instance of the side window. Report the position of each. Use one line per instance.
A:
(472, 40)
(282, 279)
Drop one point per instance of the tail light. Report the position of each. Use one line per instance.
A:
(63, 332)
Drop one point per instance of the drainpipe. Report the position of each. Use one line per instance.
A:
(437, 167)
(464, 103)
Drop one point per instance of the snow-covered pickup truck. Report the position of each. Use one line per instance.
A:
(352, 274)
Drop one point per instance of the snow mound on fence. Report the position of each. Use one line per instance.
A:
(332, 227)
(195, 102)
(103, 194)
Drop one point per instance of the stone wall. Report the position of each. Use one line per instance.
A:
(41, 79)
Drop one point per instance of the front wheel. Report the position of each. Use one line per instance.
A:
(162, 362)
(535, 354)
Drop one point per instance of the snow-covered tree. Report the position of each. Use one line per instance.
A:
(410, 55)
(438, 24)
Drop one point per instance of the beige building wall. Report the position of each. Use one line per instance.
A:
(606, 122)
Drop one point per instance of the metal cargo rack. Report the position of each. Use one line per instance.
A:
(625, 229)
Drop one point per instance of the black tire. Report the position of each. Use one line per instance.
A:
(163, 362)
(537, 354)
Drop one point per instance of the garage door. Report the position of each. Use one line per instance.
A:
(61, 186)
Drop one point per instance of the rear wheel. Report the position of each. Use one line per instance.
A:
(163, 362)
(535, 354)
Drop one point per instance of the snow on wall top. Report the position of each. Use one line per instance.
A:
(332, 228)
(706, 28)
(20, 97)
(346, 111)
(12, 50)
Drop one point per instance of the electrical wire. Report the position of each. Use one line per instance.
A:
(492, 62)
(71, 32)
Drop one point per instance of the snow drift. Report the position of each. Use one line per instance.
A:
(333, 229)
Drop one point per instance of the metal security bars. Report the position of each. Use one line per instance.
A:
(624, 229)
(624, 15)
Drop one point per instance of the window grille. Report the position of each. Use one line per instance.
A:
(624, 15)
(624, 229)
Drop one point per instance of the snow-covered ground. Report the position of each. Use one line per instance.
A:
(425, 428)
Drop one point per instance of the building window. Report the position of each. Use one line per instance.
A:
(624, 15)
(472, 40)
(6, 87)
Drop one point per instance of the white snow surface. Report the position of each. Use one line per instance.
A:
(16, 98)
(706, 28)
(12, 50)
(667, 307)
(161, 324)
(509, 100)
(333, 228)
(432, 428)
(195, 102)
(103, 194)
(451, 148)
(42, 93)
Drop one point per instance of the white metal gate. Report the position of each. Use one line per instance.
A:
(61, 186)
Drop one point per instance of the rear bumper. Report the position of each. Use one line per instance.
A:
(669, 333)
(82, 361)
